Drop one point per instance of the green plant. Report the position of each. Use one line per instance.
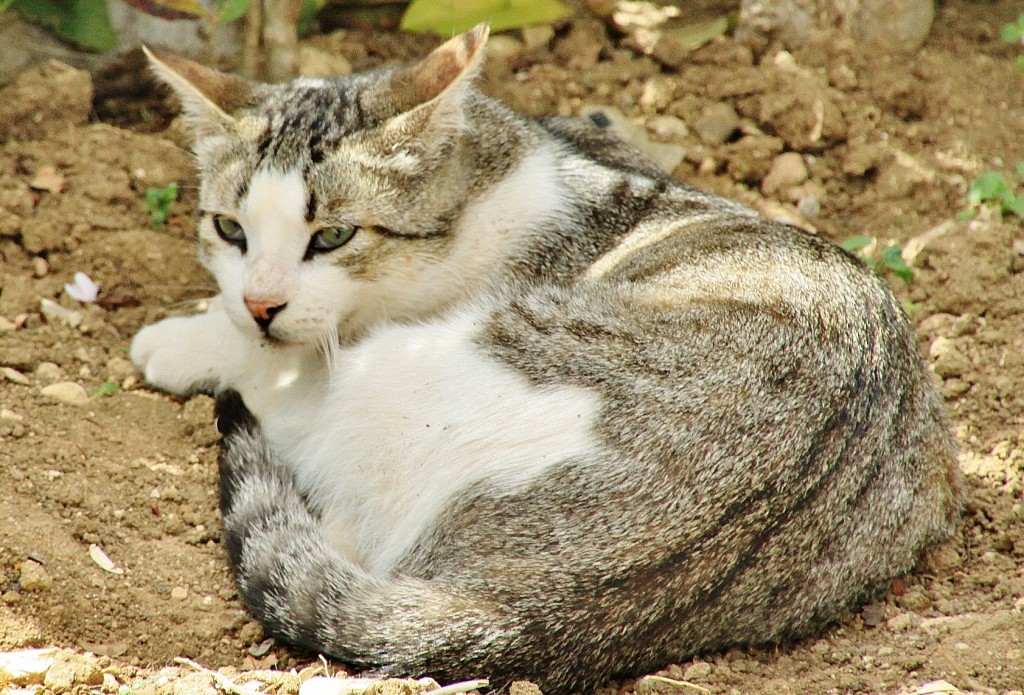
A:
(158, 202)
(107, 388)
(448, 17)
(1014, 33)
(84, 22)
(891, 258)
(993, 190)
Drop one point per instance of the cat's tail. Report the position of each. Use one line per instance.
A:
(306, 593)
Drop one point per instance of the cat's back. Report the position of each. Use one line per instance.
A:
(779, 447)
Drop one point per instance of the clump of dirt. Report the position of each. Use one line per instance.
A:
(835, 141)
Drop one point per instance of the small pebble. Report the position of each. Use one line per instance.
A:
(66, 392)
(524, 688)
(250, 633)
(54, 311)
(8, 414)
(179, 593)
(70, 669)
(668, 127)
(873, 614)
(119, 369)
(656, 95)
(34, 577)
(808, 206)
(40, 267)
(901, 622)
(788, 169)
(25, 666)
(49, 372)
(717, 123)
(14, 375)
(697, 672)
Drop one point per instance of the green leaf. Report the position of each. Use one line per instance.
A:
(447, 17)
(988, 187)
(856, 243)
(158, 202)
(308, 14)
(1010, 33)
(1019, 169)
(1013, 33)
(1016, 206)
(892, 259)
(230, 10)
(107, 388)
(84, 22)
(967, 215)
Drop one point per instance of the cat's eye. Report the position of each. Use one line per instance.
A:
(229, 230)
(330, 238)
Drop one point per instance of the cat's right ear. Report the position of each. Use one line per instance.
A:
(429, 95)
(208, 97)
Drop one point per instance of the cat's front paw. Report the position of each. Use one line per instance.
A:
(179, 355)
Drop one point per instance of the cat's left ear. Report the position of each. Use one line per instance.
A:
(208, 97)
(430, 94)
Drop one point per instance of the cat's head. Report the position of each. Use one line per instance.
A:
(327, 204)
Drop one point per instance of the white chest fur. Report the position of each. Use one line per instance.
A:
(414, 415)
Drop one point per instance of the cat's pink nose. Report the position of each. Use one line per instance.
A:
(263, 310)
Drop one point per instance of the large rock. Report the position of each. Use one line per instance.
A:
(891, 25)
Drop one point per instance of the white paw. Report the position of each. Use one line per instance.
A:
(182, 355)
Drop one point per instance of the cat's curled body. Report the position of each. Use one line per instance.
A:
(547, 413)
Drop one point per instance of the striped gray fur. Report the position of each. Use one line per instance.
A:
(769, 448)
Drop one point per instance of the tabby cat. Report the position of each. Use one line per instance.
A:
(501, 399)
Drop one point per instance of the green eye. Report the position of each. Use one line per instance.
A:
(330, 238)
(229, 230)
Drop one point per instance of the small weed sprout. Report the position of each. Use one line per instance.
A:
(158, 203)
(1014, 33)
(107, 388)
(891, 258)
(994, 191)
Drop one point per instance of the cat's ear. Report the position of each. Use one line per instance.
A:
(430, 94)
(208, 97)
(450, 68)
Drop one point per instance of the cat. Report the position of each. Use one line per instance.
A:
(500, 399)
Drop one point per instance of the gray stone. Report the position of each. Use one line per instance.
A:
(893, 25)
(717, 123)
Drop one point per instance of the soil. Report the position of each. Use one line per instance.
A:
(890, 145)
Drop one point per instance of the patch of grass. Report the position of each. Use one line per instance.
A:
(890, 260)
(158, 203)
(995, 191)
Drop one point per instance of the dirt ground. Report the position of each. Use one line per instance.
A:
(890, 145)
